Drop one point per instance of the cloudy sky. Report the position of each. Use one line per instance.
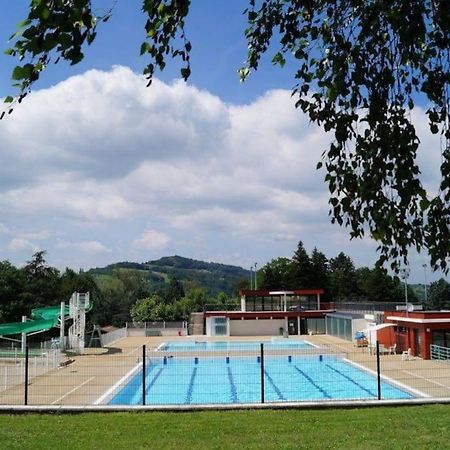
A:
(96, 168)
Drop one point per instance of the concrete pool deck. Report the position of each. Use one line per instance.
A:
(88, 377)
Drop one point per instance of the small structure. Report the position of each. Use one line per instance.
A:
(345, 325)
(271, 313)
(419, 331)
(384, 333)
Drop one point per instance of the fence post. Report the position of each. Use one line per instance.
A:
(378, 371)
(262, 372)
(26, 377)
(143, 375)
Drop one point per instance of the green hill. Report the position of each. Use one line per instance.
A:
(214, 277)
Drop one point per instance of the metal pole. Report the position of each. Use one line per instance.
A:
(378, 371)
(406, 298)
(143, 375)
(26, 377)
(256, 281)
(262, 372)
(24, 336)
(251, 278)
(61, 329)
(425, 285)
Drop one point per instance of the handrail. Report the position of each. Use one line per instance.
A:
(439, 352)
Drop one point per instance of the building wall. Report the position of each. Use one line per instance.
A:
(262, 327)
(386, 336)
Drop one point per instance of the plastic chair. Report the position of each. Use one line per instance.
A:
(406, 355)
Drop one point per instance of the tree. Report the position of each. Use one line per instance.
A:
(174, 291)
(148, 309)
(319, 270)
(342, 277)
(376, 285)
(439, 294)
(42, 282)
(13, 305)
(360, 68)
(277, 274)
(301, 276)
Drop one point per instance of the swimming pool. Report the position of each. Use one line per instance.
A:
(238, 380)
(276, 344)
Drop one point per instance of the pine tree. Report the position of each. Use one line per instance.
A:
(302, 269)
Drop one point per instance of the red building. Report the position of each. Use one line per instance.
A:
(419, 330)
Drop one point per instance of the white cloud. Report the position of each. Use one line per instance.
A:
(19, 244)
(152, 240)
(100, 152)
(83, 246)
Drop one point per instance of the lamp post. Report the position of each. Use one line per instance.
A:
(404, 274)
(425, 285)
(256, 280)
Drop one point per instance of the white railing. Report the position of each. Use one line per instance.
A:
(12, 368)
(109, 338)
(158, 325)
(439, 352)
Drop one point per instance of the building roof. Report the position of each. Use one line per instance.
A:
(277, 293)
(346, 315)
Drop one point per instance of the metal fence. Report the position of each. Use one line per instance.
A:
(192, 372)
(439, 352)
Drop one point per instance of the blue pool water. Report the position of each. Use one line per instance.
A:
(180, 346)
(214, 380)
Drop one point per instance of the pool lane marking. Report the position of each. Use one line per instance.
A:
(352, 380)
(155, 378)
(324, 392)
(234, 397)
(275, 387)
(191, 386)
(114, 388)
(72, 390)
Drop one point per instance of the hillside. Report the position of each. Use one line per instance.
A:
(214, 277)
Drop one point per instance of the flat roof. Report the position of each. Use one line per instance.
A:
(347, 315)
(416, 320)
(276, 293)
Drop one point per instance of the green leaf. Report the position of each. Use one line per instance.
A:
(145, 47)
(8, 99)
(185, 73)
(20, 73)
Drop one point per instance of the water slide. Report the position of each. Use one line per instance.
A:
(42, 319)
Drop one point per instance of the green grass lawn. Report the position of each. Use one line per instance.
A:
(418, 427)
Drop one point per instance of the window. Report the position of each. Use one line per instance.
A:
(220, 326)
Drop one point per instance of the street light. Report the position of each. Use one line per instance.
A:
(425, 285)
(404, 274)
(256, 280)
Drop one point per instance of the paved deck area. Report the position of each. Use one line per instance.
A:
(87, 379)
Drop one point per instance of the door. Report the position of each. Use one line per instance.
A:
(417, 342)
(292, 325)
(303, 326)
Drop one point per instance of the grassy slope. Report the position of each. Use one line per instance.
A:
(421, 427)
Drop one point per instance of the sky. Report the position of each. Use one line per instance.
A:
(96, 168)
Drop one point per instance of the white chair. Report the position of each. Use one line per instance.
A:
(392, 349)
(406, 355)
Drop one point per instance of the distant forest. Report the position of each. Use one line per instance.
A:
(173, 287)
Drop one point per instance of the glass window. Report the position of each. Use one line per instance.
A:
(220, 326)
